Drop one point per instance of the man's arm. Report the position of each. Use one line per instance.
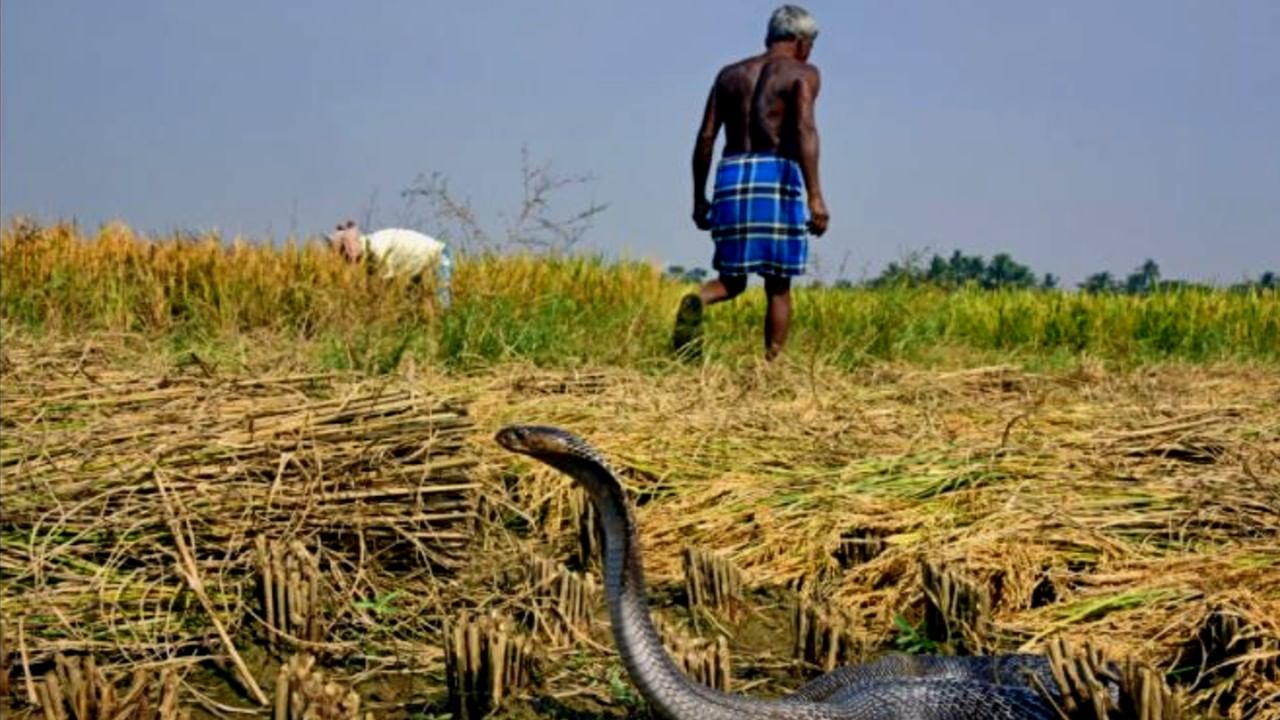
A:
(703, 150)
(806, 97)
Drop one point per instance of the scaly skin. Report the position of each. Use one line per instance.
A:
(892, 688)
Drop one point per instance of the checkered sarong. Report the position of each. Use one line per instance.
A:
(760, 216)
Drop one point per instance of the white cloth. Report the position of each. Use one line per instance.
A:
(406, 252)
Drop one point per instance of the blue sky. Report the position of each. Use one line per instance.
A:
(1077, 136)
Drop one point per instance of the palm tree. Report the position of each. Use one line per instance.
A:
(1145, 279)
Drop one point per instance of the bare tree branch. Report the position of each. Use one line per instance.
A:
(533, 227)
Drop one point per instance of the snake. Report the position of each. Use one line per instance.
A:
(893, 687)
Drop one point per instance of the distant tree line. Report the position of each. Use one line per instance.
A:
(1002, 271)
(683, 274)
(1147, 279)
(960, 270)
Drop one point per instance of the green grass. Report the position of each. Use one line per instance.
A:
(199, 294)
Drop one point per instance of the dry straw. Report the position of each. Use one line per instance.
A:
(152, 515)
(1125, 510)
(1135, 513)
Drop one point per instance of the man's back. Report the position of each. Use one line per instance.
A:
(734, 90)
(405, 251)
(777, 111)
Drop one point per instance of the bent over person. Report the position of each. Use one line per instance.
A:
(767, 197)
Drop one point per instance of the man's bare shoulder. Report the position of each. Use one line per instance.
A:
(741, 67)
(790, 67)
(810, 75)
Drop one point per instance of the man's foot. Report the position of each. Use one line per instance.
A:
(687, 338)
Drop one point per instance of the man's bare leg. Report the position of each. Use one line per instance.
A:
(777, 318)
(725, 287)
(688, 332)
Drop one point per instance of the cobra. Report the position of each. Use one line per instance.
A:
(891, 688)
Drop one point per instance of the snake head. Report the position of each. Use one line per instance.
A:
(538, 441)
(551, 445)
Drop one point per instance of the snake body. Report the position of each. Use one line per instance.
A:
(891, 688)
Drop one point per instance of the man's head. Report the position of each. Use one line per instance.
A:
(793, 24)
(345, 240)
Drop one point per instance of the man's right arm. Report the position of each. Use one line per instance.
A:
(703, 150)
(806, 97)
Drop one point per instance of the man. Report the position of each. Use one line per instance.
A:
(397, 251)
(767, 195)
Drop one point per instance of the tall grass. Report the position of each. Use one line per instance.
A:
(571, 310)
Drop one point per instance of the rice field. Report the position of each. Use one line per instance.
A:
(241, 481)
(556, 311)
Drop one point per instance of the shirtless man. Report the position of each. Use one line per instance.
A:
(759, 220)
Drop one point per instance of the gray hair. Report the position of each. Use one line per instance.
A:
(791, 22)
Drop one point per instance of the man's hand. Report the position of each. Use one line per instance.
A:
(702, 213)
(818, 216)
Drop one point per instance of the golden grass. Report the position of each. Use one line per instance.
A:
(573, 311)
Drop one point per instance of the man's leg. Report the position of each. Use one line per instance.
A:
(777, 318)
(689, 317)
(725, 287)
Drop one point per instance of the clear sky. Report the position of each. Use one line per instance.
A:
(1078, 136)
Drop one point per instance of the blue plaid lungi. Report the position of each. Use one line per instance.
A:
(759, 216)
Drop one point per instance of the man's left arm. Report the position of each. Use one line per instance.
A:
(703, 150)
